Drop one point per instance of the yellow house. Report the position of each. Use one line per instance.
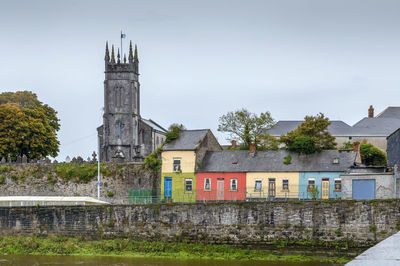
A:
(272, 185)
(180, 159)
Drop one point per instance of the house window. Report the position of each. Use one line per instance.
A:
(285, 185)
(233, 184)
(177, 164)
(338, 185)
(207, 184)
(258, 185)
(311, 184)
(336, 160)
(188, 185)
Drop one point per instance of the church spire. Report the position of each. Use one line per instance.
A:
(107, 56)
(118, 57)
(130, 57)
(136, 54)
(112, 55)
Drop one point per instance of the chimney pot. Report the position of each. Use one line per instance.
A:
(233, 143)
(371, 112)
(252, 147)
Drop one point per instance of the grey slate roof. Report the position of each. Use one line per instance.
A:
(154, 125)
(390, 112)
(376, 126)
(336, 128)
(188, 140)
(272, 161)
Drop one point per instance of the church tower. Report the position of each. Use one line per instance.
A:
(119, 134)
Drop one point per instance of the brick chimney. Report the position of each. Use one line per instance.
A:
(371, 112)
(356, 146)
(233, 145)
(252, 147)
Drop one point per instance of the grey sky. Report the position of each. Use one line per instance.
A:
(201, 59)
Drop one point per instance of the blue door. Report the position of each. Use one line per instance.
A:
(168, 187)
(363, 189)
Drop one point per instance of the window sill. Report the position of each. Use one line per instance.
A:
(232, 190)
(188, 192)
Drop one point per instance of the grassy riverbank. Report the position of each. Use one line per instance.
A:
(15, 245)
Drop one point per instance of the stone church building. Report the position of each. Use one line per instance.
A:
(125, 135)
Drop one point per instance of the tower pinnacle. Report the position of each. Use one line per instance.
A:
(118, 57)
(136, 54)
(112, 55)
(107, 56)
(130, 57)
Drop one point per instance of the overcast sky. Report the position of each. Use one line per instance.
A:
(201, 59)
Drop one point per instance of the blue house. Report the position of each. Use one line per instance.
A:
(322, 180)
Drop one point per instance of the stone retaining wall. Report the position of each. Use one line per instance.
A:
(358, 222)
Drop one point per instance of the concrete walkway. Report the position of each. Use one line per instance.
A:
(385, 253)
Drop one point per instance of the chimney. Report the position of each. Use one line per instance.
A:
(371, 112)
(356, 146)
(233, 144)
(252, 147)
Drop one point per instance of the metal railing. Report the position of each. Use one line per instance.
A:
(302, 192)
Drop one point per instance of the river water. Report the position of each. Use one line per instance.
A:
(20, 260)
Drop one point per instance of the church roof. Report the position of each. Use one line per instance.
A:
(188, 140)
(272, 161)
(154, 125)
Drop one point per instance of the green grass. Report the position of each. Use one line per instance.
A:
(18, 245)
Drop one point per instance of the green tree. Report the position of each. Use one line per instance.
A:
(371, 155)
(248, 127)
(27, 126)
(302, 144)
(316, 128)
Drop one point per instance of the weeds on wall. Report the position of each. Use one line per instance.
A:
(79, 172)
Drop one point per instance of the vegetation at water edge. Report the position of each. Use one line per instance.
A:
(18, 245)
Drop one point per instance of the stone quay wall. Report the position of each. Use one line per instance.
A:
(361, 223)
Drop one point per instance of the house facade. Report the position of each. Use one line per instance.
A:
(272, 185)
(320, 185)
(229, 186)
(180, 160)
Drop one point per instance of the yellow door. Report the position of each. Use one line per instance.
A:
(325, 189)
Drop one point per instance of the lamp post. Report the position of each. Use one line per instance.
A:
(98, 168)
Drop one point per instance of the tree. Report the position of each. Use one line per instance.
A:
(302, 144)
(27, 126)
(248, 127)
(316, 128)
(371, 155)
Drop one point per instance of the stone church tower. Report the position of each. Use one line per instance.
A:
(124, 135)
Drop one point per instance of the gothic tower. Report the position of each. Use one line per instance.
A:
(119, 134)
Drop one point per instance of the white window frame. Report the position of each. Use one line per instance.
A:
(334, 185)
(255, 185)
(205, 188)
(180, 165)
(191, 184)
(283, 188)
(236, 181)
(308, 183)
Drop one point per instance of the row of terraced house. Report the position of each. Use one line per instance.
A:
(196, 168)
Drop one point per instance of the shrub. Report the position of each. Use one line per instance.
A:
(302, 144)
(152, 161)
(287, 159)
(110, 194)
(371, 155)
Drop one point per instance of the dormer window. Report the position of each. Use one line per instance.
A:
(336, 160)
(177, 165)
